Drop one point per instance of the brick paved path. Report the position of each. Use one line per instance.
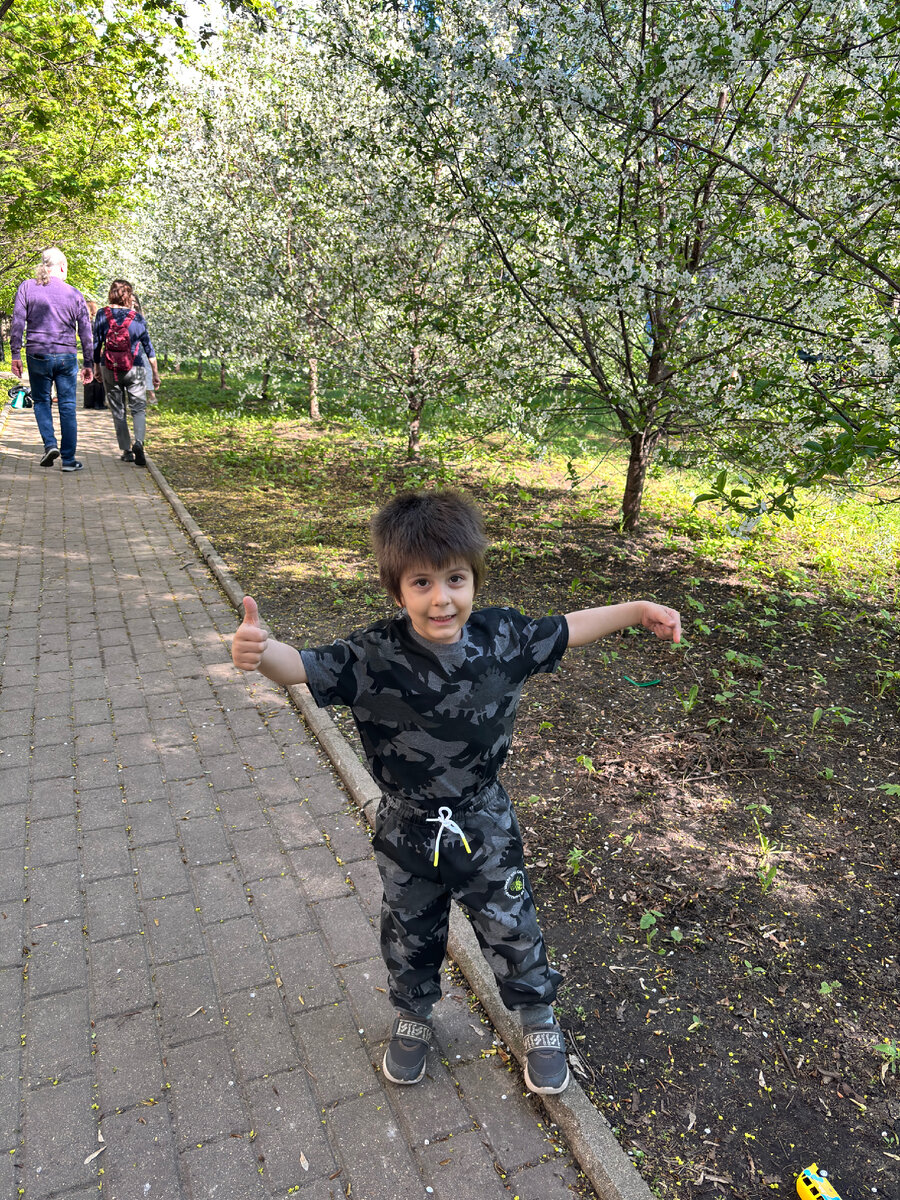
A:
(188, 965)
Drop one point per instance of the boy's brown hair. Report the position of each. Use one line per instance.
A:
(427, 529)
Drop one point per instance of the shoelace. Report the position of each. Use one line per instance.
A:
(444, 820)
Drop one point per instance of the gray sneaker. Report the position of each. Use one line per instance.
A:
(546, 1070)
(404, 1059)
(73, 466)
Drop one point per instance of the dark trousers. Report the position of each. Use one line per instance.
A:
(491, 883)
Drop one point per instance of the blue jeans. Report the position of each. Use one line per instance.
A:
(43, 370)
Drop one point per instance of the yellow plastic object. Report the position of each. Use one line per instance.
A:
(813, 1186)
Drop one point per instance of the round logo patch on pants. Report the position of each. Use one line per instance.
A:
(514, 884)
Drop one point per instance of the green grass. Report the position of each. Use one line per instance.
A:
(849, 545)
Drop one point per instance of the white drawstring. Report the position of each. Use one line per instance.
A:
(444, 820)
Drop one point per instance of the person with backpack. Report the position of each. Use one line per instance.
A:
(121, 342)
(48, 312)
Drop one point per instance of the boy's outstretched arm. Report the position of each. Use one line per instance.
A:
(253, 650)
(590, 624)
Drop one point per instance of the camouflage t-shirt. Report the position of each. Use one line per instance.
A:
(436, 720)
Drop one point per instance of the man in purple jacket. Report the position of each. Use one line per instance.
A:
(53, 312)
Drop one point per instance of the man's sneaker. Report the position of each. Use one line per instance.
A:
(404, 1059)
(126, 456)
(73, 466)
(140, 458)
(546, 1070)
(50, 457)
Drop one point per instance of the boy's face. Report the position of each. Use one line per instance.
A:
(438, 600)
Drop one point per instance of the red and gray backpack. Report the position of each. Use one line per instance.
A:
(118, 355)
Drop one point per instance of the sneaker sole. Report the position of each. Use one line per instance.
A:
(50, 457)
(547, 1091)
(403, 1082)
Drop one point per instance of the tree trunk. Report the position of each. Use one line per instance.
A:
(639, 459)
(222, 374)
(264, 389)
(416, 404)
(166, 361)
(314, 389)
(199, 368)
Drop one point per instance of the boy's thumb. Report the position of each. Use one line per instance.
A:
(251, 612)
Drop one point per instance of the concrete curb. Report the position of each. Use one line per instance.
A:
(611, 1172)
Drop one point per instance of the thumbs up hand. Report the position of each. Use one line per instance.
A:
(251, 639)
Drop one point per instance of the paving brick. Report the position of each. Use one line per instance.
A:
(224, 1171)
(226, 772)
(192, 798)
(101, 809)
(204, 840)
(507, 1118)
(378, 1164)
(280, 907)
(104, 853)
(288, 1122)
(135, 749)
(349, 836)
(49, 731)
(277, 785)
(295, 825)
(143, 782)
(321, 877)
(366, 879)
(112, 909)
(260, 1037)
(464, 1035)
(96, 771)
(52, 762)
(93, 711)
(58, 1044)
(174, 928)
(96, 739)
(304, 967)
(241, 809)
(120, 975)
(184, 988)
(52, 841)
(60, 1133)
(10, 1070)
(12, 873)
(56, 959)
(239, 953)
(19, 722)
(180, 762)
(160, 870)
(432, 1110)
(556, 1180)
(127, 1062)
(14, 786)
(347, 931)
(259, 854)
(323, 794)
(12, 936)
(219, 891)
(150, 822)
(335, 1053)
(365, 984)
(462, 1167)
(53, 893)
(140, 1161)
(205, 1092)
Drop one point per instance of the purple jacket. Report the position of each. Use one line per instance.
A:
(52, 311)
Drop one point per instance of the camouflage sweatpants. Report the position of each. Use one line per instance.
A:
(490, 883)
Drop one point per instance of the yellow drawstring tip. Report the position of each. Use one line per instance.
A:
(435, 858)
(466, 844)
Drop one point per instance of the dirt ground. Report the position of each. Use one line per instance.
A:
(712, 832)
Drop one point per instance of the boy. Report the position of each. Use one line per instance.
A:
(434, 693)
